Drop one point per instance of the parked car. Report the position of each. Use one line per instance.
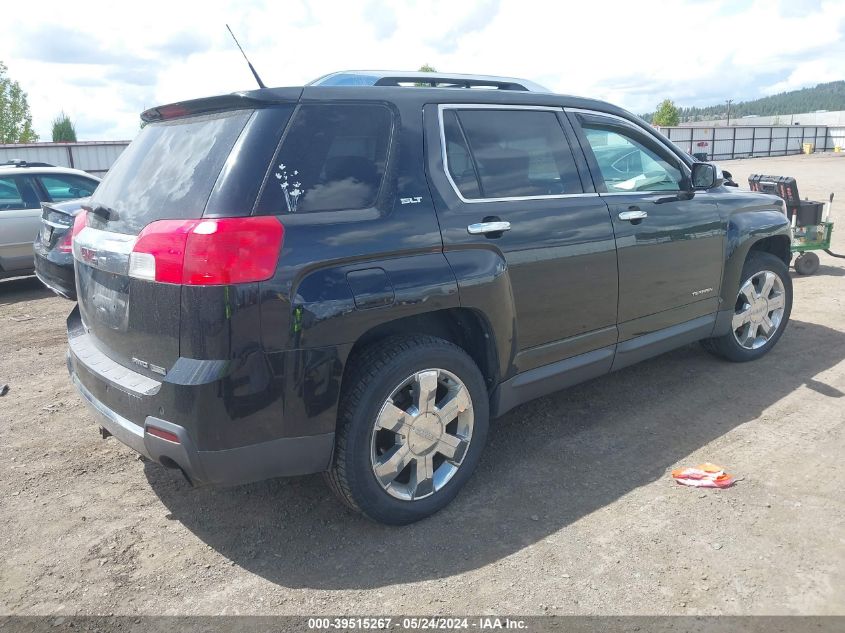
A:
(23, 187)
(355, 279)
(53, 252)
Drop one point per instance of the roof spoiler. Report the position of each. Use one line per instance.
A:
(236, 101)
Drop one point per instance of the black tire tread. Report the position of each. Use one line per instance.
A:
(724, 346)
(807, 264)
(365, 367)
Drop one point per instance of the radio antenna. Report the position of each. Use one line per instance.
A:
(249, 63)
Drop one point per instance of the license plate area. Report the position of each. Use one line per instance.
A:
(104, 297)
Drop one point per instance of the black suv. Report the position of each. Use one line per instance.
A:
(355, 276)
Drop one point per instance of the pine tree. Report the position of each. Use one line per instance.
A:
(64, 131)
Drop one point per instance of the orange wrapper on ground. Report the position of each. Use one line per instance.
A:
(703, 476)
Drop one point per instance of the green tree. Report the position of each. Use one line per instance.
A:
(64, 131)
(667, 114)
(15, 118)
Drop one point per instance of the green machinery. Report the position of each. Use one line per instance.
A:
(811, 228)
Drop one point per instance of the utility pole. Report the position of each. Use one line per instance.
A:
(729, 101)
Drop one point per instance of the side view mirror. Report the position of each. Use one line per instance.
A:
(706, 176)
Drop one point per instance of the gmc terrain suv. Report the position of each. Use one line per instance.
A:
(355, 276)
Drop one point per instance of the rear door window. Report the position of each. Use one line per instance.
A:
(169, 170)
(461, 166)
(513, 153)
(17, 193)
(333, 157)
(66, 187)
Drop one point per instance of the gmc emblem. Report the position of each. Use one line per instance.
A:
(88, 255)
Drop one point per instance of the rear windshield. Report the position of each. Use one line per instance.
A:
(333, 157)
(169, 170)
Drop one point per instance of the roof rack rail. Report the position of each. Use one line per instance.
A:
(17, 162)
(425, 80)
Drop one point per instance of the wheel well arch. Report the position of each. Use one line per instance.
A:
(777, 245)
(465, 327)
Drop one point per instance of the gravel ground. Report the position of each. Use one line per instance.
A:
(572, 509)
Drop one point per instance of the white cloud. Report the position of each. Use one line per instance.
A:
(104, 62)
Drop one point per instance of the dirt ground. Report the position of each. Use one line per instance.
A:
(571, 511)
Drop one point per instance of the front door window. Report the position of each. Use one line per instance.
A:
(627, 165)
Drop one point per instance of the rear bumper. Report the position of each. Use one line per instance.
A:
(58, 278)
(106, 387)
(277, 458)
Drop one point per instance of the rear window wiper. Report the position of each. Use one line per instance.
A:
(106, 213)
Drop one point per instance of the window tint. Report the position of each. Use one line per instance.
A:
(461, 168)
(61, 187)
(626, 164)
(516, 153)
(333, 157)
(13, 197)
(169, 170)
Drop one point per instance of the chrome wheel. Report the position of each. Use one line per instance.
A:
(759, 309)
(421, 434)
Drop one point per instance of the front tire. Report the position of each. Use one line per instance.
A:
(761, 311)
(412, 424)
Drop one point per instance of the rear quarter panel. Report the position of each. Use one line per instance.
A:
(342, 273)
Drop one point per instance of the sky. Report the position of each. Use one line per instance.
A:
(104, 62)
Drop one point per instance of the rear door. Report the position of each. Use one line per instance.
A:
(669, 241)
(173, 170)
(20, 220)
(515, 165)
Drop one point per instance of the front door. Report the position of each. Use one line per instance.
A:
(514, 165)
(669, 241)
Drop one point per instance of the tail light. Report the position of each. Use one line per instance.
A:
(79, 223)
(66, 245)
(208, 251)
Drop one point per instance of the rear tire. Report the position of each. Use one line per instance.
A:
(761, 312)
(412, 424)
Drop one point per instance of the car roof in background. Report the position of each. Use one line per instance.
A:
(397, 78)
(8, 170)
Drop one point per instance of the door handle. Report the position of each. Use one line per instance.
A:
(488, 227)
(633, 214)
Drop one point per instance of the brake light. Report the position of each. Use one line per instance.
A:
(172, 111)
(79, 223)
(66, 245)
(208, 251)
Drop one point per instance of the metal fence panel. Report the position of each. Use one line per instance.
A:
(97, 158)
(744, 141)
(53, 154)
(94, 157)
